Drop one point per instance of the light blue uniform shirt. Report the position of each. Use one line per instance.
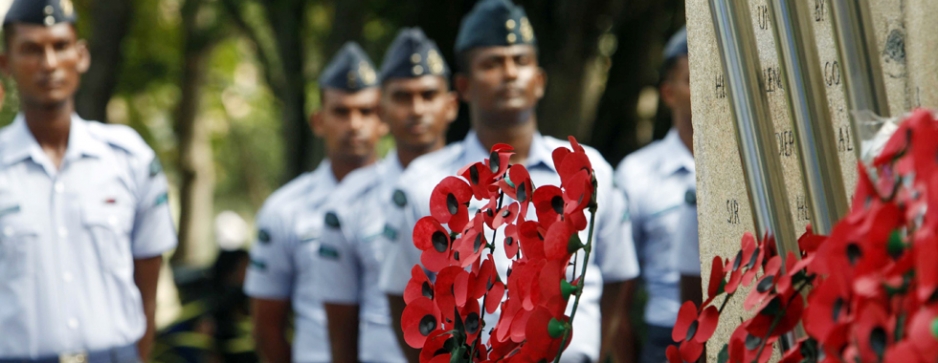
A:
(351, 253)
(282, 258)
(656, 181)
(613, 259)
(69, 237)
(687, 254)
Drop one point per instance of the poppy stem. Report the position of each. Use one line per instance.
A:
(485, 298)
(765, 339)
(728, 297)
(582, 282)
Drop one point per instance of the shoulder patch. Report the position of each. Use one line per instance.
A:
(328, 252)
(332, 220)
(389, 232)
(690, 197)
(263, 236)
(399, 198)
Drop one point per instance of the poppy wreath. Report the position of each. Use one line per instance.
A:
(445, 315)
(866, 293)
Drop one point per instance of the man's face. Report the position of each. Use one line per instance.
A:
(675, 90)
(46, 62)
(503, 79)
(349, 123)
(418, 111)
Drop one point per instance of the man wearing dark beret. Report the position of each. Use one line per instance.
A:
(499, 78)
(417, 105)
(294, 219)
(83, 209)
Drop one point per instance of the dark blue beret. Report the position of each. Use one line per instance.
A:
(493, 23)
(677, 46)
(350, 70)
(41, 12)
(412, 55)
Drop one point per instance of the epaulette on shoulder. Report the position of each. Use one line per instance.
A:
(121, 136)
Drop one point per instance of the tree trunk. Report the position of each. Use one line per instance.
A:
(111, 22)
(196, 165)
(286, 18)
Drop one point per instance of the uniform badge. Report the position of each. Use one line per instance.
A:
(155, 167)
(328, 252)
(332, 220)
(690, 197)
(263, 236)
(399, 198)
(389, 232)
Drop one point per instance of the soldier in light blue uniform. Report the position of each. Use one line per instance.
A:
(658, 182)
(84, 219)
(418, 107)
(281, 275)
(500, 80)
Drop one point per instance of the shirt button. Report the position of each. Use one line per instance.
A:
(59, 187)
(73, 323)
(67, 277)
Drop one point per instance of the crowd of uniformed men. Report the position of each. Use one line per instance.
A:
(85, 220)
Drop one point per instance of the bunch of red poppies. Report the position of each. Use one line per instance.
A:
(873, 282)
(445, 316)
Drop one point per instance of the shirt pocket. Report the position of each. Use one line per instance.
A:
(16, 235)
(110, 228)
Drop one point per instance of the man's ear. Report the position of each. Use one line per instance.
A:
(452, 107)
(541, 83)
(667, 93)
(462, 86)
(84, 56)
(316, 123)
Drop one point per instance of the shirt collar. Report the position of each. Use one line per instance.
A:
(540, 154)
(23, 144)
(676, 155)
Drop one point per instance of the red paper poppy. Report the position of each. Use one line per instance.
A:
(434, 240)
(554, 289)
(766, 285)
(717, 282)
(420, 319)
(873, 331)
(512, 241)
(577, 195)
(693, 331)
(486, 283)
(506, 215)
(905, 352)
(549, 204)
(418, 286)
(437, 346)
(498, 160)
(810, 242)
(510, 309)
(926, 263)
(480, 179)
(744, 347)
(561, 241)
(673, 354)
(572, 164)
(470, 317)
(469, 247)
(753, 255)
(544, 333)
(522, 282)
(829, 309)
(923, 331)
(787, 310)
(449, 202)
(532, 241)
(517, 185)
(451, 291)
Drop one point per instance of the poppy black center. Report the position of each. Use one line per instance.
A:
(878, 341)
(494, 162)
(509, 241)
(765, 284)
(440, 241)
(477, 243)
(753, 342)
(456, 255)
(474, 174)
(854, 253)
(738, 261)
(557, 203)
(472, 323)
(522, 192)
(506, 213)
(753, 258)
(427, 324)
(691, 331)
(838, 306)
(427, 290)
(452, 204)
